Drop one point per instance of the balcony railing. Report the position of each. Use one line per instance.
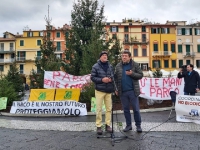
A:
(136, 41)
(7, 60)
(161, 53)
(20, 58)
(38, 57)
(3, 51)
(189, 54)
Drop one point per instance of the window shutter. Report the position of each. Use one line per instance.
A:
(195, 31)
(183, 31)
(168, 30)
(198, 48)
(190, 31)
(110, 28)
(151, 30)
(117, 29)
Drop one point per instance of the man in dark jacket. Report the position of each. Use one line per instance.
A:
(192, 80)
(101, 76)
(127, 76)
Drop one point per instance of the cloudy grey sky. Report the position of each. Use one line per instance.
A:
(16, 14)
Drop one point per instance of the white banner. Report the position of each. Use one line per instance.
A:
(188, 108)
(49, 107)
(159, 88)
(150, 88)
(60, 79)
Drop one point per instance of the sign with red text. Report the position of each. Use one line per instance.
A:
(188, 108)
(159, 88)
(60, 79)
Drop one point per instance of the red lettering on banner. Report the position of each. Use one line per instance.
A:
(166, 81)
(77, 86)
(75, 78)
(180, 102)
(156, 82)
(173, 82)
(141, 91)
(152, 91)
(52, 83)
(176, 90)
(143, 82)
(56, 73)
(165, 92)
(66, 85)
(159, 92)
(80, 78)
(66, 76)
(151, 85)
(57, 84)
(178, 81)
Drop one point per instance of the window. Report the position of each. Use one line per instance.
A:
(59, 56)
(180, 49)
(198, 48)
(38, 42)
(1, 68)
(114, 29)
(165, 30)
(58, 34)
(183, 31)
(143, 29)
(11, 47)
(155, 47)
(187, 62)
(180, 62)
(187, 31)
(126, 37)
(48, 34)
(21, 55)
(144, 38)
(29, 34)
(21, 69)
(126, 29)
(67, 34)
(38, 55)
(166, 63)
(144, 52)
(40, 33)
(114, 36)
(187, 48)
(173, 48)
(58, 46)
(2, 46)
(198, 63)
(155, 30)
(165, 47)
(21, 42)
(135, 52)
(197, 31)
(179, 31)
(173, 63)
(156, 63)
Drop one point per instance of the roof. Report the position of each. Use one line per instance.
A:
(7, 39)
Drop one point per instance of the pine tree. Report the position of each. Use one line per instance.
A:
(86, 39)
(15, 78)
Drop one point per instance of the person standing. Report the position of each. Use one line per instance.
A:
(127, 76)
(192, 80)
(101, 76)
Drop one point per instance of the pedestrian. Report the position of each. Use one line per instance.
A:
(191, 78)
(127, 76)
(101, 76)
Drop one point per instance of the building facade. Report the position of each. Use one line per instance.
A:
(7, 52)
(163, 53)
(133, 36)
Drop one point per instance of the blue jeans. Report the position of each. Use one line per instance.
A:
(128, 98)
(186, 93)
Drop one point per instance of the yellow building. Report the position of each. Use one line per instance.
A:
(133, 36)
(27, 49)
(163, 53)
(7, 52)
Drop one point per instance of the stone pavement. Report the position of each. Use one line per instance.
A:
(78, 133)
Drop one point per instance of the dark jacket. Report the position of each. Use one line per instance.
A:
(136, 76)
(98, 73)
(192, 81)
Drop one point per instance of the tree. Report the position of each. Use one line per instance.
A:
(86, 39)
(15, 78)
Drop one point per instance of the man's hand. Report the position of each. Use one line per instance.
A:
(129, 72)
(197, 89)
(106, 80)
(116, 92)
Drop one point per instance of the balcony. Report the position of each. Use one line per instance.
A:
(161, 53)
(10, 60)
(136, 41)
(20, 58)
(189, 54)
(38, 57)
(3, 51)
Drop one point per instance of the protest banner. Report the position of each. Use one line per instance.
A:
(67, 94)
(47, 107)
(187, 108)
(3, 103)
(42, 95)
(60, 79)
(150, 88)
(94, 106)
(159, 88)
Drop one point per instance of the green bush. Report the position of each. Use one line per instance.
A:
(87, 92)
(7, 90)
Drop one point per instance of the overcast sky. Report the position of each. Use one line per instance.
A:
(16, 14)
